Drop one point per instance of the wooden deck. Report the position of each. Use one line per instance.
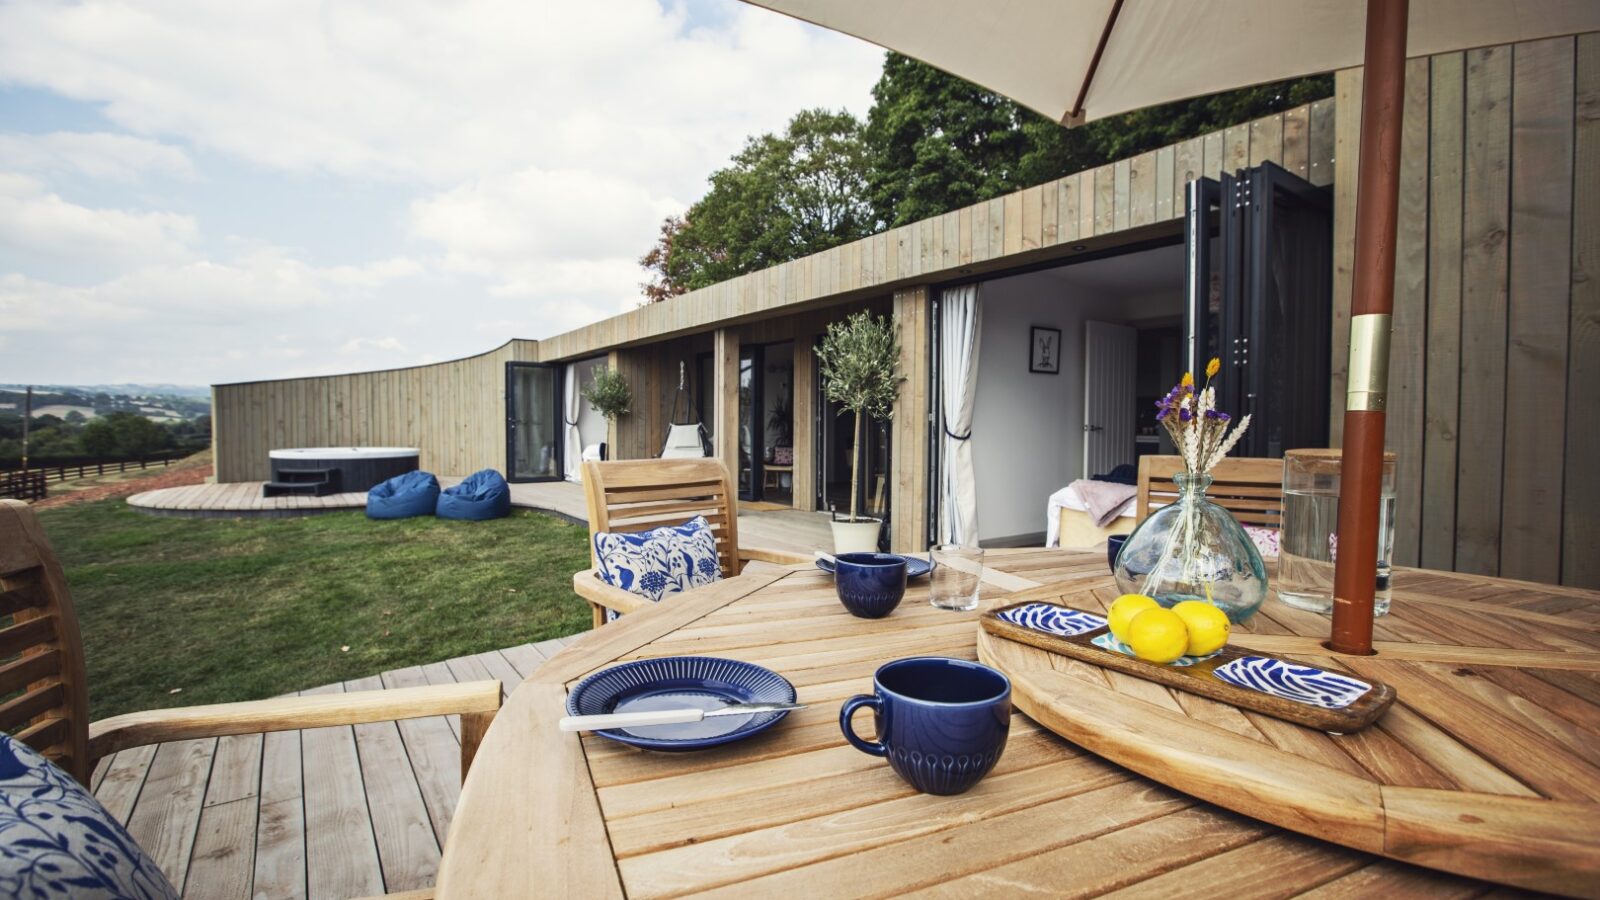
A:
(778, 529)
(334, 812)
(325, 813)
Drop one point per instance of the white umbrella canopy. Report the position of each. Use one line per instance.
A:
(1042, 53)
(1080, 60)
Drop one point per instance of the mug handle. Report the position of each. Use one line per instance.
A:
(849, 709)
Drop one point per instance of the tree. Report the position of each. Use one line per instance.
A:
(663, 282)
(783, 197)
(98, 439)
(859, 359)
(936, 142)
(609, 394)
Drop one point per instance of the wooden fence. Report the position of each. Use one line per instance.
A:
(1497, 308)
(86, 466)
(27, 486)
(453, 412)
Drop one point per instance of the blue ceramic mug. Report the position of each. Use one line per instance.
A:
(1113, 547)
(942, 723)
(870, 585)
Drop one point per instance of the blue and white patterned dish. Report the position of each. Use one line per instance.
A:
(916, 567)
(1302, 684)
(674, 682)
(1108, 641)
(1052, 619)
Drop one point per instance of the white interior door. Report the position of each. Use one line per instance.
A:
(1109, 363)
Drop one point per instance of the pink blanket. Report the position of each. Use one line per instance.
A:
(1105, 499)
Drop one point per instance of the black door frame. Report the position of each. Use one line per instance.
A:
(559, 417)
(1244, 207)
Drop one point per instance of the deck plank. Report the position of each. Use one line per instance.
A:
(119, 790)
(222, 863)
(343, 859)
(168, 814)
(408, 849)
(434, 753)
(280, 869)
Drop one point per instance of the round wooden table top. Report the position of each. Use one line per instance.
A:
(796, 811)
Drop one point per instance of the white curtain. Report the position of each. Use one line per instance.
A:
(569, 417)
(960, 323)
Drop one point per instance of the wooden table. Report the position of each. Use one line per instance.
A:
(795, 811)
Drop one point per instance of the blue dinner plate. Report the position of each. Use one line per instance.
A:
(916, 566)
(674, 682)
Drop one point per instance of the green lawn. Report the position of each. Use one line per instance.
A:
(240, 609)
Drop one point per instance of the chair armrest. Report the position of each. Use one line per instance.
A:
(590, 586)
(474, 700)
(781, 557)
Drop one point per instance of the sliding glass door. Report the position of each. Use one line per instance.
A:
(533, 422)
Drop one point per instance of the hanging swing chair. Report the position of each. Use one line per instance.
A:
(687, 440)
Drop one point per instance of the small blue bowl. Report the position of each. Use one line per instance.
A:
(870, 585)
(1113, 547)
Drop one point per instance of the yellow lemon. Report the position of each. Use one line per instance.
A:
(1122, 611)
(1208, 626)
(1158, 635)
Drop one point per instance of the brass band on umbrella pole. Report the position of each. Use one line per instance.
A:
(1371, 306)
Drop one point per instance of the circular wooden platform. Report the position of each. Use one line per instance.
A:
(243, 499)
(1488, 764)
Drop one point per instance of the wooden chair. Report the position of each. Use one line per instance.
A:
(638, 495)
(1251, 489)
(45, 672)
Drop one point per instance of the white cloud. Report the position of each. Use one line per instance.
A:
(99, 155)
(36, 221)
(535, 148)
(357, 345)
(438, 92)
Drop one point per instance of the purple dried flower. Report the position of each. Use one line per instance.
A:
(1185, 415)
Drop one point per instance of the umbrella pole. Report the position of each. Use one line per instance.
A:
(1371, 309)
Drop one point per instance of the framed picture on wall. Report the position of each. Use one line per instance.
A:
(1045, 350)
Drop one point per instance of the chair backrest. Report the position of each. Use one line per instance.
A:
(1251, 489)
(44, 701)
(638, 495)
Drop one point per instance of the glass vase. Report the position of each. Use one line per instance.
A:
(1194, 550)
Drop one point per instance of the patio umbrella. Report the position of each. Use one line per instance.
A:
(1080, 60)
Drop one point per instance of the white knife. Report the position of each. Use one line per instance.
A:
(668, 716)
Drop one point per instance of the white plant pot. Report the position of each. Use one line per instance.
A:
(856, 537)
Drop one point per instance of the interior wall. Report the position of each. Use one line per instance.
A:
(1027, 430)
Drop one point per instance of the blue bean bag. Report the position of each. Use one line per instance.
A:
(404, 496)
(483, 495)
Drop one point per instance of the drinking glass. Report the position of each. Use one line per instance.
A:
(1309, 544)
(954, 581)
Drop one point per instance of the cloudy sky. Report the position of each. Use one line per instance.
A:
(200, 192)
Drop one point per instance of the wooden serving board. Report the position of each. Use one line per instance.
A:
(1284, 689)
(1487, 763)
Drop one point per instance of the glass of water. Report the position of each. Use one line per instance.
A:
(956, 572)
(1309, 544)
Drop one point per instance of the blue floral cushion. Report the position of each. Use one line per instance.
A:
(56, 840)
(660, 562)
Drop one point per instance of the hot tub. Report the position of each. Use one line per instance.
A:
(330, 470)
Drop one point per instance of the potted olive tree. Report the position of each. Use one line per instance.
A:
(609, 395)
(860, 365)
